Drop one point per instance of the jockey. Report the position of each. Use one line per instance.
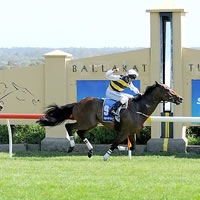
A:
(117, 84)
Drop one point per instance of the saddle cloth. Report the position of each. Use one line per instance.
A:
(107, 105)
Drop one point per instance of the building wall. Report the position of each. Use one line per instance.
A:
(94, 68)
(22, 91)
(191, 65)
(32, 89)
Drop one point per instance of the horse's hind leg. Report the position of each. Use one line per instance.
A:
(69, 128)
(81, 134)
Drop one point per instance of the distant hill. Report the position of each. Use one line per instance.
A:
(21, 57)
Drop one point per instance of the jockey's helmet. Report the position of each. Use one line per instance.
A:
(133, 74)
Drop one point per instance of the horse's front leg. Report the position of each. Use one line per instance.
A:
(121, 137)
(81, 134)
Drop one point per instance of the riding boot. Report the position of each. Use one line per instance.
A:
(113, 110)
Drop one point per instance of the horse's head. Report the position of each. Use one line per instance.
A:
(167, 94)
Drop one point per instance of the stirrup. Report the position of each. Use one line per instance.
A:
(114, 113)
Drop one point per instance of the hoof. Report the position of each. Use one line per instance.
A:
(90, 153)
(70, 149)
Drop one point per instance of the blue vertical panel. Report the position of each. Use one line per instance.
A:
(97, 88)
(196, 98)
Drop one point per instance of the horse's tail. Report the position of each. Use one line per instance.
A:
(55, 115)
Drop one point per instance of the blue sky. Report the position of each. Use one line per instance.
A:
(86, 23)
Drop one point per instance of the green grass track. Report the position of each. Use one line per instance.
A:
(57, 176)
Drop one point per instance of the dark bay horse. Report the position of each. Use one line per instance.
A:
(88, 113)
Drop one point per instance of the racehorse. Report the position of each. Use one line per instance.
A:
(88, 113)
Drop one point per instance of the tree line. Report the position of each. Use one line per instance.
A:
(23, 57)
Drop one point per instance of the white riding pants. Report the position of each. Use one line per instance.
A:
(118, 96)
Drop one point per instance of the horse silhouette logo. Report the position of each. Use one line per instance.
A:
(17, 92)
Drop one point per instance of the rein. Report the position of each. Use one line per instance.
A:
(140, 113)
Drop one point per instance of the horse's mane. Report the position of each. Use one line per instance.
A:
(148, 90)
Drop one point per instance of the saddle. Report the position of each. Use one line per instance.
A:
(107, 105)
